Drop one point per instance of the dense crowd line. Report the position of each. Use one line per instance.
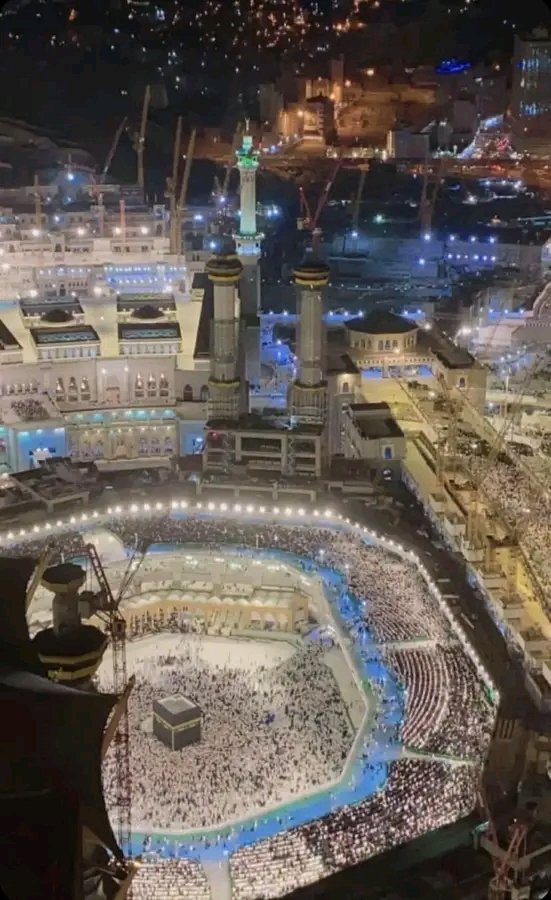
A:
(419, 796)
(445, 709)
(170, 879)
(525, 510)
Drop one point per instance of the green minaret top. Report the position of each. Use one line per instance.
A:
(247, 156)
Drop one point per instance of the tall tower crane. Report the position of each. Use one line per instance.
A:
(139, 139)
(506, 882)
(310, 222)
(112, 150)
(37, 204)
(432, 180)
(109, 612)
(358, 198)
(172, 185)
(229, 168)
(178, 194)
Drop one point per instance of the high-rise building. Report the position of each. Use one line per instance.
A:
(531, 92)
(308, 392)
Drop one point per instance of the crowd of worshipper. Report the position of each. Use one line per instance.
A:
(445, 709)
(419, 796)
(171, 879)
(444, 699)
(30, 410)
(526, 510)
(266, 737)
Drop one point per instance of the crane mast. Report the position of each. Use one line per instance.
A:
(110, 613)
(139, 139)
(310, 222)
(182, 197)
(172, 183)
(112, 150)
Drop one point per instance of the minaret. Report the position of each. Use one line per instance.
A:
(308, 392)
(247, 239)
(225, 384)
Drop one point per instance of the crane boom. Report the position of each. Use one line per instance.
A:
(358, 198)
(172, 185)
(116, 625)
(141, 137)
(37, 203)
(41, 567)
(113, 149)
(183, 191)
(229, 167)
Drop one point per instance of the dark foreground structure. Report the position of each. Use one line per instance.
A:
(56, 840)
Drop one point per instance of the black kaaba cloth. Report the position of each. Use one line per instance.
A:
(176, 721)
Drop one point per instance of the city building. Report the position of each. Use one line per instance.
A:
(531, 93)
(371, 434)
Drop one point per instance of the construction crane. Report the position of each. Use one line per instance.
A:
(41, 567)
(107, 608)
(182, 195)
(229, 168)
(172, 186)
(432, 180)
(358, 198)
(139, 139)
(506, 882)
(112, 150)
(37, 203)
(309, 221)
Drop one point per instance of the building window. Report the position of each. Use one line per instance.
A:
(72, 390)
(204, 395)
(188, 393)
(60, 389)
(84, 389)
(138, 387)
(462, 383)
(345, 387)
(381, 345)
(163, 386)
(151, 386)
(387, 453)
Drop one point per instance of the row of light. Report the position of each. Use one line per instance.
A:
(421, 261)
(275, 511)
(492, 239)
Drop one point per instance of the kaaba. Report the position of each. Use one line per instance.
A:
(176, 721)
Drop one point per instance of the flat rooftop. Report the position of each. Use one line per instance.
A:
(252, 422)
(452, 356)
(135, 302)
(48, 306)
(69, 334)
(177, 703)
(163, 331)
(374, 421)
